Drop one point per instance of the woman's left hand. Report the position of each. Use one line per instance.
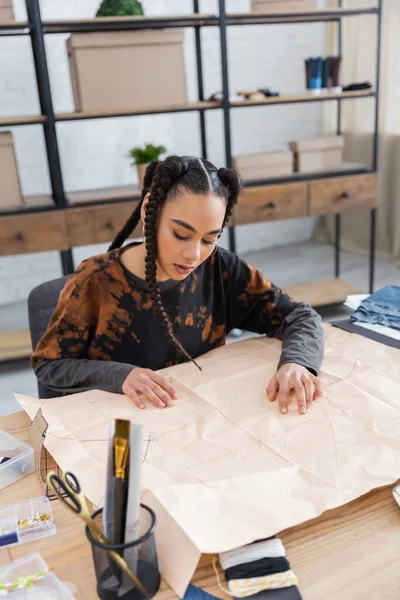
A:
(292, 376)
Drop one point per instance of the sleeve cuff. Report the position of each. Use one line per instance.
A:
(284, 361)
(120, 375)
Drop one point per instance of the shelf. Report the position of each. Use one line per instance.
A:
(346, 169)
(104, 114)
(196, 20)
(103, 195)
(131, 193)
(127, 23)
(14, 121)
(297, 98)
(327, 14)
(15, 344)
(322, 293)
(14, 28)
(204, 105)
(31, 204)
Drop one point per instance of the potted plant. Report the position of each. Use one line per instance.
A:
(143, 156)
(120, 8)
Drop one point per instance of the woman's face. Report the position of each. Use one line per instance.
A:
(188, 229)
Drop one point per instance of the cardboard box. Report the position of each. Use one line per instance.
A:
(318, 154)
(10, 191)
(262, 166)
(125, 70)
(6, 11)
(283, 6)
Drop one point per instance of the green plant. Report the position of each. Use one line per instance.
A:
(146, 153)
(120, 8)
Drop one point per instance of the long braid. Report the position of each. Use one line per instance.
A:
(166, 174)
(134, 219)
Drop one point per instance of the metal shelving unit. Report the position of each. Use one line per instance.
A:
(37, 29)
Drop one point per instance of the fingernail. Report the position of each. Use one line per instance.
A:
(142, 406)
(308, 404)
(175, 395)
(303, 410)
(284, 409)
(161, 405)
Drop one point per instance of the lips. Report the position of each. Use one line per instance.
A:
(184, 269)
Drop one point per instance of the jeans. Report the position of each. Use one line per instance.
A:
(382, 308)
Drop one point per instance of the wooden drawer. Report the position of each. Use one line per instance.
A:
(343, 194)
(271, 202)
(98, 224)
(35, 232)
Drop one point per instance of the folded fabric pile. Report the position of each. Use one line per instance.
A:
(382, 308)
(260, 569)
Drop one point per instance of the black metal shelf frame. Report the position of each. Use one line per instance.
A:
(37, 28)
(196, 20)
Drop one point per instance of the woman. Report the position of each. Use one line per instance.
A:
(124, 314)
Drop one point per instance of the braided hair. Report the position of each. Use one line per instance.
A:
(164, 180)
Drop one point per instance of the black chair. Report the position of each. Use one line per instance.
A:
(42, 302)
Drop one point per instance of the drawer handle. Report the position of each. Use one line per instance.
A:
(268, 205)
(20, 237)
(344, 195)
(110, 225)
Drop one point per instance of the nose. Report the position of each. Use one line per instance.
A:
(192, 252)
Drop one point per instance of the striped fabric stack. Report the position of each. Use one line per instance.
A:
(260, 569)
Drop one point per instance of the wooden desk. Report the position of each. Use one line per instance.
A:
(350, 553)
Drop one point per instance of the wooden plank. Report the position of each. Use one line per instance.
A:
(204, 105)
(343, 194)
(28, 120)
(98, 114)
(110, 194)
(271, 202)
(195, 18)
(13, 24)
(324, 14)
(98, 224)
(15, 344)
(36, 232)
(322, 293)
(301, 98)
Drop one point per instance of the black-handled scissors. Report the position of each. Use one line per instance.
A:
(67, 489)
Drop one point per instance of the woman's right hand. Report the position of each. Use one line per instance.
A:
(145, 384)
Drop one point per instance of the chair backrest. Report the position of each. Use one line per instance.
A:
(42, 302)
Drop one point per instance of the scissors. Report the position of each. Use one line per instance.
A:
(67, 489)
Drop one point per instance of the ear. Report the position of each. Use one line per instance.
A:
(144, 207)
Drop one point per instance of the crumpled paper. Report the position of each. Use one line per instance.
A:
(223, 467)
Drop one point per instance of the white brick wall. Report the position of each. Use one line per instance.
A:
(93, 153)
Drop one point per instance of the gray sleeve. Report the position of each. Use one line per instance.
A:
(73, 375)
(302, 338)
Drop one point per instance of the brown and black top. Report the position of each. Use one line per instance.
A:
(104, 324)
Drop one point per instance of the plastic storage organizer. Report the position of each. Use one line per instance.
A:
(21, 459)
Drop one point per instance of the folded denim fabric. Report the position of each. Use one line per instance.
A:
(382, 307)
(196, 593)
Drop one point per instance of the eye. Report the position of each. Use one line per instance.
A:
(179, 237)
(209, 243)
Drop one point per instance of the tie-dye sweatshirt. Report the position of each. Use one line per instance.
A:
(104, 324)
